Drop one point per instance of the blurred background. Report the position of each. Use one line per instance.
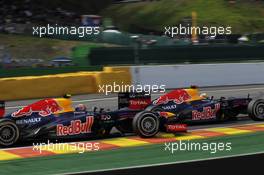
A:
(131, 32)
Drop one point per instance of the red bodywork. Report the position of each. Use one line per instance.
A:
(43, 107)
(178, 96)
(2, 109)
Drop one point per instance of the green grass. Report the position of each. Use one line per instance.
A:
(21, 46)
(244, 16)
(133, 156)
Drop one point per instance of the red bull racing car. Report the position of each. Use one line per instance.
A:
(55, 118)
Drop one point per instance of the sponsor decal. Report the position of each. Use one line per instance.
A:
(76, 127)
(176, 128)
(138, 103)
(166, 114)
(170, 107)
(105, 117)
(43, 108)
(132, 95)
(178, 96)
(207, 113)
(27, 121)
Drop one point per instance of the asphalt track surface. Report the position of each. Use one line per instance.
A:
(110, 102)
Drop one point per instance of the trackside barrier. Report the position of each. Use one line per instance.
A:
(29, 87)
(176, 54)
(113, 75)
(184, 75)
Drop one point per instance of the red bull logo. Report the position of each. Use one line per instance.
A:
(76, 127)
(178, 96)
(207, 113)
(43, 107)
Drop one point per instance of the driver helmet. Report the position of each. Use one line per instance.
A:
(80, 107)
(203, 95)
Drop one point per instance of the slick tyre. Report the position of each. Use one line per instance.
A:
(146, 124)
(256, 109)
(9, 133)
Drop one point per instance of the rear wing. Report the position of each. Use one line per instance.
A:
(2, 108)
(133, 100)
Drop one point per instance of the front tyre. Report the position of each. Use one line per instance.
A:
(256, 109)
(9, 133)
(146, 124)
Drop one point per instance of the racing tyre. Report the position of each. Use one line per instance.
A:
(256, 109)
(9, 133)
(146, 124)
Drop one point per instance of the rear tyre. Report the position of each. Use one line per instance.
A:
(256, 109)
(9, 133)
(146, 124)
